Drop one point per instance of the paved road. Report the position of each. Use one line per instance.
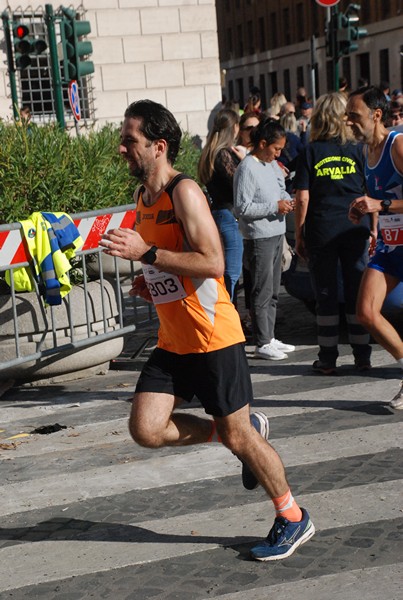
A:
(85, 513)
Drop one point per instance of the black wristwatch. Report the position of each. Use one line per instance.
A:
(150, 256)
(386, 204)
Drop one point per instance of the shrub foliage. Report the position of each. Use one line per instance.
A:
(45, 169)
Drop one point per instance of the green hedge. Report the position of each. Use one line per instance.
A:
(46, 169)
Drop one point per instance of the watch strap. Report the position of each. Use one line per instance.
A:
(385, 204)
(150, 256)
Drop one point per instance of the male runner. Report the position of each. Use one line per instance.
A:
(200, 347)
(366, 113)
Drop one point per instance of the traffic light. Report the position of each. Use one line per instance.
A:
(348, 32)
(331, 34)
(74, 49)
(25, 45)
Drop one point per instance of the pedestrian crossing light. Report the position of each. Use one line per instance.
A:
(348, 32)
(75, 50)
(25, 45)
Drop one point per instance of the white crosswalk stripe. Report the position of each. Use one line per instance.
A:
(58, 533)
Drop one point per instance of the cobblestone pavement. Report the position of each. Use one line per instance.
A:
(86, 513)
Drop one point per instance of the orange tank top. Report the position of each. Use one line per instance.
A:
(195, 314)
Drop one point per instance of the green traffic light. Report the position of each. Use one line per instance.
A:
(83, 48)
(82, 28)
(347, 31)
(85, 68)
(72, 29)
(358, 32)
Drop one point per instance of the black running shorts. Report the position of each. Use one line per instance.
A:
(220, 379)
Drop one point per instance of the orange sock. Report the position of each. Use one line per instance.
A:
(287, 507)
(214, 437)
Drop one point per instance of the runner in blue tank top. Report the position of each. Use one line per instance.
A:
(366, 113)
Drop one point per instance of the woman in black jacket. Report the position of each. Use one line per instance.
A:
(330, 174)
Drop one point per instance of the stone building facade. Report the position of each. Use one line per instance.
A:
(165, 50)
(268, 44)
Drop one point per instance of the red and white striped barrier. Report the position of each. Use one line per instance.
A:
(91, 228)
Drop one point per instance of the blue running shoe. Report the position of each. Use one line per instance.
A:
(284, 538)
(261, 423)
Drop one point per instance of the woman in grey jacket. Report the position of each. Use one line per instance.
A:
(261, 203)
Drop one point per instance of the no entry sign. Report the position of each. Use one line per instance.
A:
(74, 100)
(327, 3)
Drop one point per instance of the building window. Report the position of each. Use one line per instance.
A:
(300, 23)
(240, 40)
(262, 35)
(386, 11)
(231, 91)
(262, 87)
(273, 37)
(273, 82)
(329, 75)
(251, 46)
(241, 97)
(35, 85)
(365, 14)
(347, 70)
(315, 20)
(229, 42)
(300, 77)
(363, 66)
(287, 85)
(286, 27)
(384, 64)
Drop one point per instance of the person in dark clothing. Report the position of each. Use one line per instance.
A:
(292, 149)
(217, 165)
(330, 174)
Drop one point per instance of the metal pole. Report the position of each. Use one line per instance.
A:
(10, 63)
(54, 62)
(335, 58)
(313, 66)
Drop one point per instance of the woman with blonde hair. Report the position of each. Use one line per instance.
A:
(276, 102)
(330, 174)
(218, 162)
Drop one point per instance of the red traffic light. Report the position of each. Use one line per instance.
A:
(20, 31)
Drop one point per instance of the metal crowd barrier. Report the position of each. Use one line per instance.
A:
(131, 312)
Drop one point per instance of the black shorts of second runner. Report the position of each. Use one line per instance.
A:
(220, 379)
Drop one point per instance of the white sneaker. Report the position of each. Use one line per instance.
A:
(270, 352)
(282, 346)
(397, 401)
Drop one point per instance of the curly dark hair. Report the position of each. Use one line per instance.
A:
(157, 123)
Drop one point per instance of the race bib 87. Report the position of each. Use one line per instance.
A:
(392, 229)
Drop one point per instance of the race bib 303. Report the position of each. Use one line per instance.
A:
(163, 287)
